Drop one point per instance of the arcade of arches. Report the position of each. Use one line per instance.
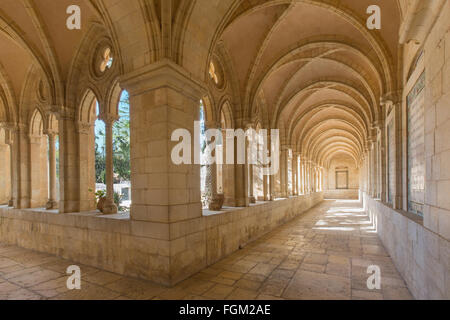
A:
(362, 114)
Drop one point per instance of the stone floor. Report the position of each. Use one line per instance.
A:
(324, 254)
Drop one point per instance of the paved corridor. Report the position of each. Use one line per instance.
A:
(323, 254)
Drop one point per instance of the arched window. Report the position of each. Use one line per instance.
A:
(121, 155)
(289, 173)
(100, 153)
(38, 148)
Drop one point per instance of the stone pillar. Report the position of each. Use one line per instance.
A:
(76, 168)
(302, 174)
(166, 207)
(294, 174)
(9, 140)
(109, 206)
(270, 178)
(22, 177)
(216, 201)
(251, 192)
(284, 171)
(52, 201)
(266, 195)
(5, 169)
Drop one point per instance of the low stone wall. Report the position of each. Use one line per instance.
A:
(227, 232)
(421, 256)
(351, 194)
(117, 245)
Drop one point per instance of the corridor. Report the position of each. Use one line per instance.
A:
(322, 254)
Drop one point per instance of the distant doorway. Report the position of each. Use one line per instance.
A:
(341, 179)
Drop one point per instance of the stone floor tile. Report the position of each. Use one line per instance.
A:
(101, 277)
(51, 288)
(248, 284)
(242, 294)
(88, 292)
(313, 267)
(218, 292)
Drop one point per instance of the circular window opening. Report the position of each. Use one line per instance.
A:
(212, 73)
(107, 60)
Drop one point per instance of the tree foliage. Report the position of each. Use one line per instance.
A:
(121, 147)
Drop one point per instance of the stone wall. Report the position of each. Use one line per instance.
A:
(420, 255)
(437, 126)
(351, 194)
(118, 245)
(227, 232)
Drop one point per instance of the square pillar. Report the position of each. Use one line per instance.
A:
(166, 199)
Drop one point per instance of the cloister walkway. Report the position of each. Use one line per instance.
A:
(323, 254)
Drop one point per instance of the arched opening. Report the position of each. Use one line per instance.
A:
(121, 155)
(5, 169)
(53, 162)
(290, 190)
(90, 153)
(258, 168)
(100, 153)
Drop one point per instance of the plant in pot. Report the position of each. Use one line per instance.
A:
(101, 198)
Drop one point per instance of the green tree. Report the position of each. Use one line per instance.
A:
(100, 161)
(121, 145)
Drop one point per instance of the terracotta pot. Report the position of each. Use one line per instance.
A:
(217, 202)
(101, 203)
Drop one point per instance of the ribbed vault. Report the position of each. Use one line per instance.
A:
(320, 72)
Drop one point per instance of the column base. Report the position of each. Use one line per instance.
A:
(252, 199)
(11, 203)
(51, 204)
(109, 207)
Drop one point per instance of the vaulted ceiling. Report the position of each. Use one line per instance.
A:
(315, 70)
(311, 67)
(34, 37)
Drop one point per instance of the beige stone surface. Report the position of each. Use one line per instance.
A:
(280, 273)
(336, 91)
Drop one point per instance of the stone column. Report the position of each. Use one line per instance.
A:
(284, 171)
(266, 196)
(294, 174)
(251, 192)
(22, 176)
(308, 177)
(109, 206)
(302, 174)
(215, 202)
(52, 201)
(4, 173)
(270, 178)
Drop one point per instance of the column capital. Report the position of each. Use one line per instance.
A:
(163, 74)
(35, 139)
(391, 98)
(108, 118)
(51, 133)
(285, 147)
(83, 127)
(64, 113)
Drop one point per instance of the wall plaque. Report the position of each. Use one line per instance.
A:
(416, 147)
